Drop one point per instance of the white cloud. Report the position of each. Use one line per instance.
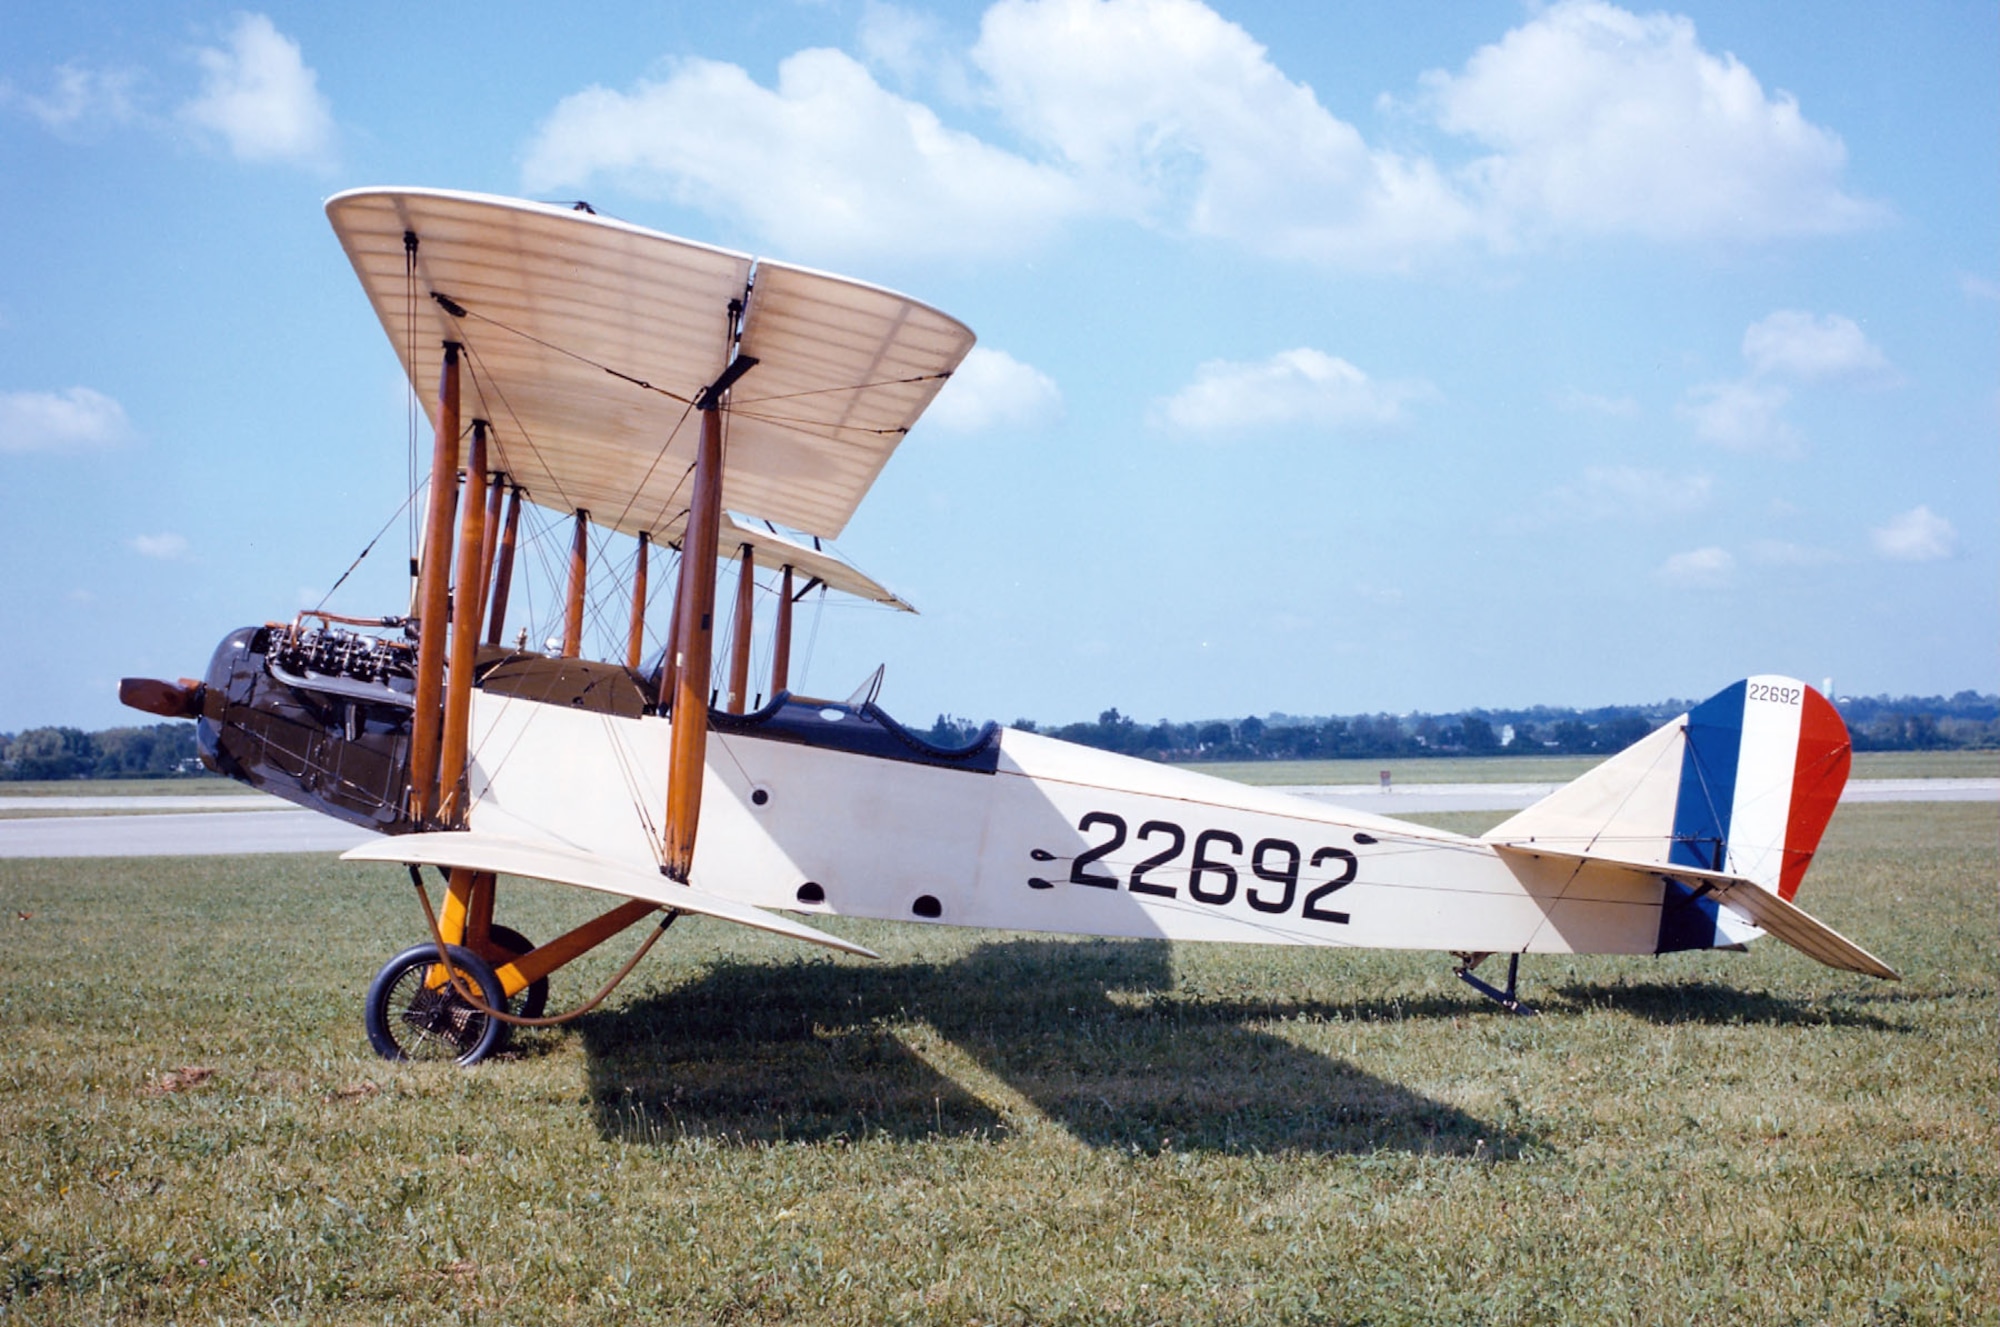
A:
(1573, 401)
(828, 159)
(79, 96)
(1748, 413)
(1699, 569)
(1166, 114)
(261, 97)
(1799, 345)
(72, 420)
(902, 42)
(1174, 115)
(1742, 416)
(1624, 492)
(165, 547)
(1978, 287)
(1294, 386)
(993, 389)
(1917, 535)
(1607, 121)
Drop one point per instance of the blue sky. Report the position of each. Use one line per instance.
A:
(1332, 358)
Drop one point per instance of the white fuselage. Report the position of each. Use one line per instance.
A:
(1057, 838)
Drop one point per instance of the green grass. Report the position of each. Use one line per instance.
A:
(997, 1128)
(203, 785)
(59, 813)
(1926, 765)
(1561, 769)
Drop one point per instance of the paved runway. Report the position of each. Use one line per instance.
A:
(266, 824)
(1409, 799)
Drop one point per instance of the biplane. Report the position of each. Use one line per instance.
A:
(710, 408)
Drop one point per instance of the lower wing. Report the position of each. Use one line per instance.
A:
(566, 866)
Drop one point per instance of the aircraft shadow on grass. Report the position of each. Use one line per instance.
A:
(1669, 1002)
(816, 1052)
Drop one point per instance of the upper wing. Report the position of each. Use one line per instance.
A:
(587, 340)
(565, 866)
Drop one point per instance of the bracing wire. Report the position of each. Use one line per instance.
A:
(748, 401)
(658, 457)
(812, 639)
(481, 381)
(409, 503)
(567, 353)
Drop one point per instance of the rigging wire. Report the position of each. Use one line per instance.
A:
(408, 504)
(819, 608)
(481, 380)
(844, 387)
(641, 383)
(824, 430)
(658, 457)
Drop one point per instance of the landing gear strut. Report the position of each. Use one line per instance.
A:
(1505, 999)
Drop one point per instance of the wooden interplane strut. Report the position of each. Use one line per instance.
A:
(739, 650)
(466, 606)
(503, 570)
(670, 672)
(635, 637)
(781, 641)
(496, 489)
(433, 597)
(695, 608)
(579, 555)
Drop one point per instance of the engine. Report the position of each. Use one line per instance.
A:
(319, 717)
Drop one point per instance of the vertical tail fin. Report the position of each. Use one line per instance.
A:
(1742, 785)
(1725, 806)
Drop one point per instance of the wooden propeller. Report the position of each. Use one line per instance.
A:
(166, 699)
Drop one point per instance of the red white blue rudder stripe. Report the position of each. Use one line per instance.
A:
(1762, 768)
(1742, 785)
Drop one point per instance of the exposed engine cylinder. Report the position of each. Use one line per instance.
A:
(319, 718)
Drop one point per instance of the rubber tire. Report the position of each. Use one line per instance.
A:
(383, 1024)
(532, 1002)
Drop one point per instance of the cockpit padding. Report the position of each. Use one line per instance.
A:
(861, 729)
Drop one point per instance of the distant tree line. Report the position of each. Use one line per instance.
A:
(1877, 723)
(161, 751)
(1967, 720)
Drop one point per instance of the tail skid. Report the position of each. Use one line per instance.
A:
(1506, 999)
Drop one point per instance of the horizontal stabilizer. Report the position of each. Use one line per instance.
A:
(565, 866)
(1759, 906)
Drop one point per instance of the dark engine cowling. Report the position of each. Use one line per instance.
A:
(319, 718)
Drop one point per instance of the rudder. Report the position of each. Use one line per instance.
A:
(1743, 784)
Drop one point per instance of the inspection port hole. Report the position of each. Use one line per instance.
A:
(759, 796)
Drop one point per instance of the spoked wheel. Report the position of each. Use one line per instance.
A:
(529, 1003)
(408, 1019)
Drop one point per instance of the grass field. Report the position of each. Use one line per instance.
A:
(997, 1128)
(1561, 769)
(207, 785)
